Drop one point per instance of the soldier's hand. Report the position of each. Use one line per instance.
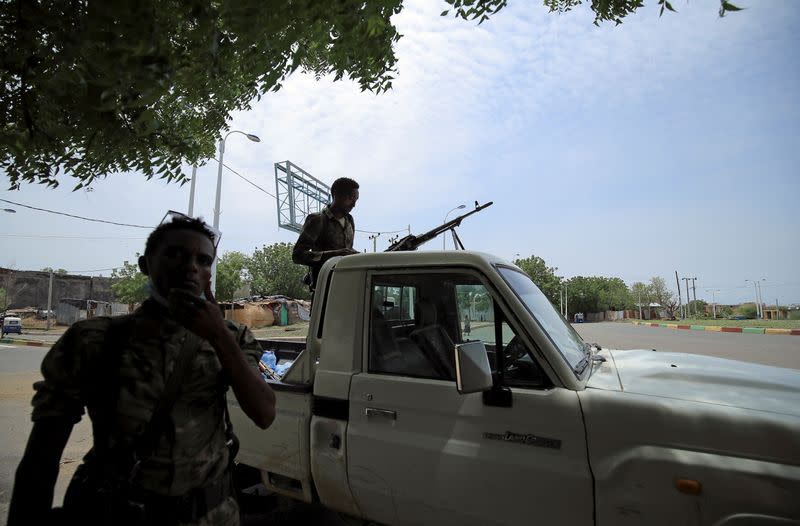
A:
(201, 316)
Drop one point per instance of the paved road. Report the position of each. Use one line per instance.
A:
(19, 368)
(770, 349)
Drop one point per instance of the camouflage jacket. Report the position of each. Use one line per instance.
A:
(322, 232)
(192, 453)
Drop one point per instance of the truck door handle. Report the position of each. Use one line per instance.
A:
(380, 413)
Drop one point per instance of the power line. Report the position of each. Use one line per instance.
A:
(35, 236)
(237, 174)
(75, 216)
(381, 232)
(240, 176)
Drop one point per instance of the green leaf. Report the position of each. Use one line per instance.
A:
(444, 13)
(727, 6)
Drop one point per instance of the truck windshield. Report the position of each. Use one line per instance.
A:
(561, 333)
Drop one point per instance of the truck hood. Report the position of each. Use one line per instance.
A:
(699, 378)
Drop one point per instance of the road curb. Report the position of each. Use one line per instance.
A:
(27, 343)
(718, 328)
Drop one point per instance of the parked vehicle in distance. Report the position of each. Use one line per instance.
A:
(12, 324)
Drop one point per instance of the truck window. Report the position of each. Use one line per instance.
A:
(476, 313)
(417, 319)
(415, 324)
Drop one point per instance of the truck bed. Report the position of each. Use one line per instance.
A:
(282, 452)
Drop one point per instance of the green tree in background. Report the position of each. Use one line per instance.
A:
(697, 308)
(748, 310)
(3, 299)
(582, 295)
(231, 274)
(93, 88)
(129, 284)
(543, 276)
(640, 293)
(613, 294)
(659, 293)
(273, 272)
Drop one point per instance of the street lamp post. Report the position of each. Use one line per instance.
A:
(191, 191)
(444, 236)
(759, 312)
(761, 302)
(253, 138)
(713, 301)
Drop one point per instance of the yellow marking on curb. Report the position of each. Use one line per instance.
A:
(714, 328)
(672, 325)
(778, 331)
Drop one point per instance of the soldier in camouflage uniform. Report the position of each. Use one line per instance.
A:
(328, 233)
(190, 466)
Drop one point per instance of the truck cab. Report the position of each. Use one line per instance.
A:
(390, 415)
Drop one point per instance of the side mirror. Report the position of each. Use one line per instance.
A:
(473, 374)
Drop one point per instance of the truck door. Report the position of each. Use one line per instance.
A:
(421, 453)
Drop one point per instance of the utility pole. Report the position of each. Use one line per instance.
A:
(49, 298)
(686, 281)
(680, 303)
(561, 300)
(760, 298)
(566, 303)
(374, 238)
(694, 294)
(640, 304)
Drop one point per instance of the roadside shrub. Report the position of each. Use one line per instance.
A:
(748, 310)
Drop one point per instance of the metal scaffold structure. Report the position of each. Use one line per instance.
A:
(298, 194)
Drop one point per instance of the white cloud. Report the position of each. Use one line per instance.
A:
(514, 110)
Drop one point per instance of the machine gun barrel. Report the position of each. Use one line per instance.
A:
(412, 242)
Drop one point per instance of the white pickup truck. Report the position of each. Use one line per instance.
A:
(444, 389)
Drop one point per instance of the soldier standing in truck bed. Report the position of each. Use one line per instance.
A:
(328, 233)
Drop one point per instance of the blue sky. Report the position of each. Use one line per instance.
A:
(662, 144)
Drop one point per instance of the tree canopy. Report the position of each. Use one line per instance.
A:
(231, 274)
(273, 272)
(129, 283)
(544, 276)
(596, 294)
(93, 88)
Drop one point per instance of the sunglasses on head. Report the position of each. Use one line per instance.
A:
(172, 215)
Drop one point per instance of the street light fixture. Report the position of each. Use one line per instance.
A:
(444, 235)
(253, 138)
(9, 210)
